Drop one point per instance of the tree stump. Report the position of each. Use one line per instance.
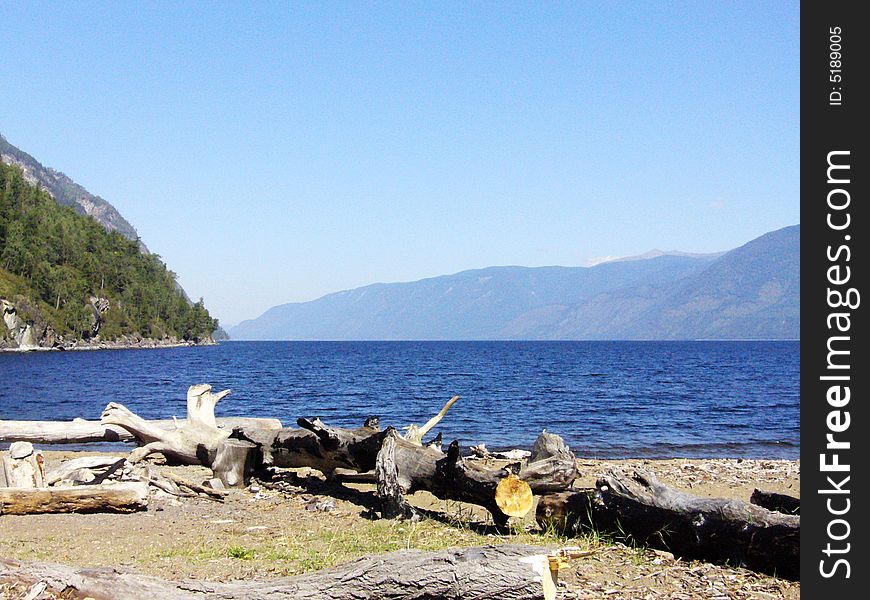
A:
(234, 462)
(22, 467)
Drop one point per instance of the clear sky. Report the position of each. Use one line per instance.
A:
(275, 152)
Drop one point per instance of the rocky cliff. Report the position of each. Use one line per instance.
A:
(66, 191)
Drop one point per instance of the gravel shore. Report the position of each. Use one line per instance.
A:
(263, 532)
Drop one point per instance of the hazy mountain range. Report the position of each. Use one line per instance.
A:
(751, 292)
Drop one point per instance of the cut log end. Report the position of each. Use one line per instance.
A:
(514, 496)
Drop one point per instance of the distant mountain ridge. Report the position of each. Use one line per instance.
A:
(66, 191)
(751, 292)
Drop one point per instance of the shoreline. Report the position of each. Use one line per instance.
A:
(142, 344)
(263, 532)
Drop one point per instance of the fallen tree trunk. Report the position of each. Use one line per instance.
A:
(648, 512)
(113, 497)
(404, 467)
(326, 448)
(503, 572)
(79, 431)
(317, 445)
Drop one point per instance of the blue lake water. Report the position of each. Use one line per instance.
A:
(607, 399)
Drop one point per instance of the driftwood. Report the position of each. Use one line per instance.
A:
(326, 448)
(415, 434)
(779, 502)
(194, 443)
(403, 468)
(648, 512)
(233, 463)
(499, 572)
(22, 467)
(87, 469)
(110, 497)
(317, 445)
(79, 431)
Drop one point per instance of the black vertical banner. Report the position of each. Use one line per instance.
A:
(835, 426)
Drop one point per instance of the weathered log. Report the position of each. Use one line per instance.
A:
(779, 502)
(317, 445)
(22, 467)
(193, 443)
(111, 497)
(648, 512)
(403, 468)
(67, 470)
(79, 431)
(233, 463)
(493, 572)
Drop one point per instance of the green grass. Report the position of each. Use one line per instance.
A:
(300, 549)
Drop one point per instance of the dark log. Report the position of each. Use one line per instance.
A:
(645, 511)
(317, 445)
(779, 502)
(114, 497)
(234, 462)
(404, 468)
(503, 572)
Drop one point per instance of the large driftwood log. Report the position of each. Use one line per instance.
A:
(404, 467)
(325, 448)
(317, 445)
(499, 572)
(79, 431)
(193, 443)
(645, 510)
(110, 497)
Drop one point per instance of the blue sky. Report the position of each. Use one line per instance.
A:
(275, 152)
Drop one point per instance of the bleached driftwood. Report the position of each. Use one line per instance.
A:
(414, 434)
(717, 529)
(194, 442)
(22, 467)
(79, 431)
(503, 572)
(234, 462)
(75, 470)
(110, 497)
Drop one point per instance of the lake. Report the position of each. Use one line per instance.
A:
(607, 399)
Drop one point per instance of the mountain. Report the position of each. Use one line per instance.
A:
(66, 191)
(66, 281)
(749, 292)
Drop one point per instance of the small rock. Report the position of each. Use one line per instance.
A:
(663, 554)
(327, 505)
